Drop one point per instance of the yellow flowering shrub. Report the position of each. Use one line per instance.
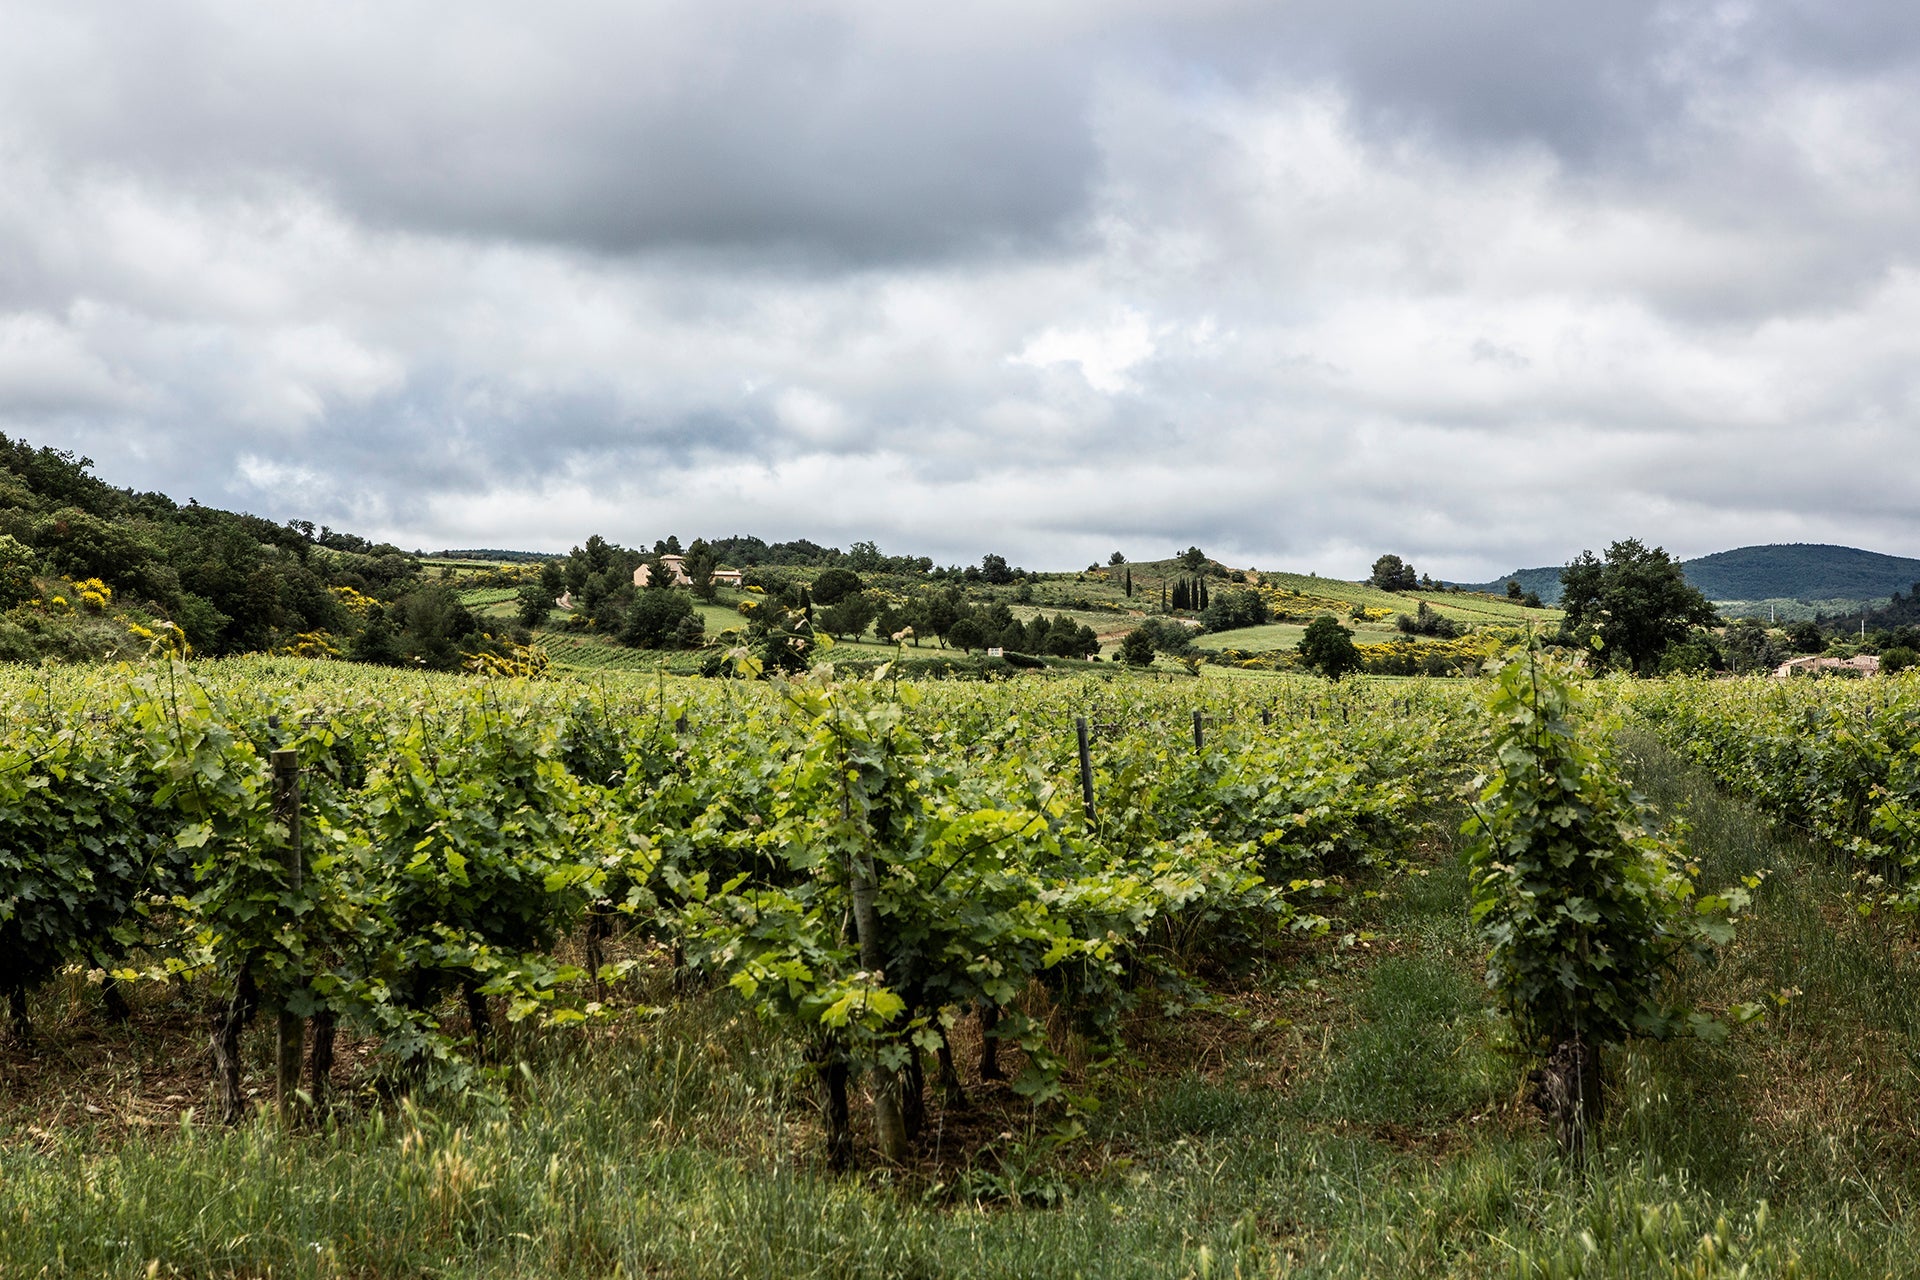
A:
(356, 602)
(311, 644)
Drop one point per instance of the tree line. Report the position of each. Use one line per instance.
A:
(230, 582)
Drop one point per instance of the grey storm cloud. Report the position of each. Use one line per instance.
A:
(1481, 284)
(614, 127)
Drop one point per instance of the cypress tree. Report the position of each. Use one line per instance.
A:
(1129, 582)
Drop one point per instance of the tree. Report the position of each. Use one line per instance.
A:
(1513, 590)
(699, 566)
(894, 619)
(1136, 648)
(432, 622)
(1695, 654)
(376, 642)
(1116, 558)
(942, 609)
(1391, 573)
(1066, 638)
(994, 569)
(1327, 647)
(1193, 560)
(1806, 638)
(533, 603)
(835, 585)
(967, 634)
(16, 571)
(849, 616)
(1750, 648)
(1636, 602)
(1129, 582)
(1231, 610)
(654, 620)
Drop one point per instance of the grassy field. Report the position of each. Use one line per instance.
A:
(1286, 635)
(1346, 1110)
(1462, 607)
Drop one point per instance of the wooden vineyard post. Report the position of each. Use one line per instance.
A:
(1266, 718)
(286, 809)
(1199, 741)
(1086, 768)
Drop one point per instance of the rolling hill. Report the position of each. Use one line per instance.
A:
(1780, 571)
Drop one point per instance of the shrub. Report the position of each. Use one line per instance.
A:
(1426, 622)
(1167, 636)
(1231, 610)
(1136, 648)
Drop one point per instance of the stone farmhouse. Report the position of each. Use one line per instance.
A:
(677, 566)
(1865, 664)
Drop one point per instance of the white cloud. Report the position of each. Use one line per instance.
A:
(1104, 355)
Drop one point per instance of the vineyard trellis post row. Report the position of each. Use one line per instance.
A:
(286, 811)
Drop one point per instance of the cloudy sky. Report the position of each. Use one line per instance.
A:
(1300, 281)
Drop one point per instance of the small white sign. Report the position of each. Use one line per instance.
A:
(996, 653)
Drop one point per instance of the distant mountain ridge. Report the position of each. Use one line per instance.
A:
(1777, 571)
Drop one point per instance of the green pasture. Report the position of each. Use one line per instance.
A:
(1286, 635)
